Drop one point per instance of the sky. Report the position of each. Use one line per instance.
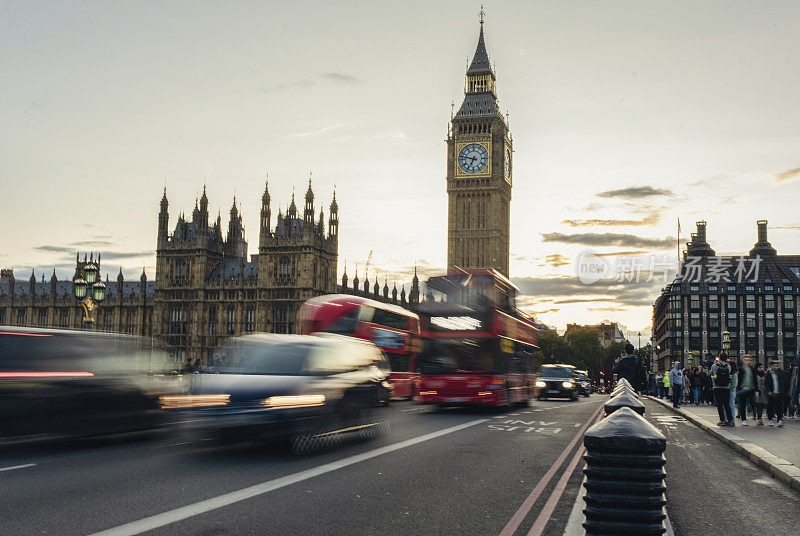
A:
(625, 115)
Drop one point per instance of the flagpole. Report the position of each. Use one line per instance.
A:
(679, 246)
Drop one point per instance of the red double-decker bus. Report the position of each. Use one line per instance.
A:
(477, 347)
(393, 329)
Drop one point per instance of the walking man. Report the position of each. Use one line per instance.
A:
(676, 380)
(775, 385)
(721, 377)
(747, 388)
(665, 385)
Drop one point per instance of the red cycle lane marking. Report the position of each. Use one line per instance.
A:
(523, 510)
(555, 496)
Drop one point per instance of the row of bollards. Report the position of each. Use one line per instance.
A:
(625, 491)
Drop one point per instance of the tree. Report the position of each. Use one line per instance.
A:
(580, 347)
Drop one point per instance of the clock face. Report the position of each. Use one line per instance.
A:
(508, 163)
(473, 158)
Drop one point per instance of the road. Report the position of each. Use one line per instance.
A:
(448, 472)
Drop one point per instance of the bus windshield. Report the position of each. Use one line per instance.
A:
(461, 356)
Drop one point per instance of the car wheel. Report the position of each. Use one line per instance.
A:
(323, 434)
(573, 398)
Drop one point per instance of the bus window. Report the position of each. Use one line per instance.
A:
(389, 319)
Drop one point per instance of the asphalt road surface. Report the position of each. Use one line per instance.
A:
(448, 472)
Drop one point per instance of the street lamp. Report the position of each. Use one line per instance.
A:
(726, 340)
(89, 292)
(640, 338)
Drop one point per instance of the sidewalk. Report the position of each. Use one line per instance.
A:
(777, 450)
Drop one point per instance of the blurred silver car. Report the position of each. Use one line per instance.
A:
(307, 389)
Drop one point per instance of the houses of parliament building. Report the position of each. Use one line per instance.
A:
(206, 287)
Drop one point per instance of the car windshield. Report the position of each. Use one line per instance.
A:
(556, 372)
(251, 357)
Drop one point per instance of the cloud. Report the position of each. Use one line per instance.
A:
(788, 174)
(93, 243)
(105, 255)
(787, 227)
(634, 294)
(636, 192)
(582, 300)
(544, 312)
(300, 84)
(607, 309)
(610, 239)
(648, 220)
(622, 253)
(557, 260)
(323, 130)
(341, 78)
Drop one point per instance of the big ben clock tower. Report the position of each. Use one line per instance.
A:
(479, 170)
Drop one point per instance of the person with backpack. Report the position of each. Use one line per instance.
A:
(721, 377)
(676, 380)
(630, 368)
(734, 385)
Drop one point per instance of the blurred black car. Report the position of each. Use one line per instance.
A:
(309, 390)
(583, 383)
(557, 381)
(74, 383)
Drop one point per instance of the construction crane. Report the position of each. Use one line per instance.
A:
(366, 267)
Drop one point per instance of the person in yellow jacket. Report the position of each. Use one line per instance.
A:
(665, 381)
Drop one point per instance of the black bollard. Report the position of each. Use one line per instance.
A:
(625, 399)
(623, 389)
(624, 477)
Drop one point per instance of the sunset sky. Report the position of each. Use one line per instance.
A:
(626, 115)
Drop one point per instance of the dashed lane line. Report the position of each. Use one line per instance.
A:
(14, 467)
(226, 499)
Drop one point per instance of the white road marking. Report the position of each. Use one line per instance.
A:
(202, 507)
(13, 467)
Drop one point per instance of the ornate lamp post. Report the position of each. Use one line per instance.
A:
(726, 340)
(89, 291)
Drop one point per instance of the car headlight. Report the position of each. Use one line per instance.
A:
(297, 401)
(193, 401)
(566, 385)
(541, 384)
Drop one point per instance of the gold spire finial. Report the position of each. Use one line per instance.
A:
(482, 13)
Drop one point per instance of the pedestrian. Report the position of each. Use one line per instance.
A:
(708, 388)
(697, 383)
(795, 388)
(747, 388)
(788, 399)
(676, 381)
(721, 377)
(630, 367)
(659, 384)
(775, 385)
(761, 394)
(665, 385)
(733, 387)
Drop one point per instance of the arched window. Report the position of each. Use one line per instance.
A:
(284, 268)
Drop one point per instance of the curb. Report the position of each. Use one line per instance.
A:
(782, 470)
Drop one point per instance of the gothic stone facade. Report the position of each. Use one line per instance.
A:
(208, 289)
(128, 307)
(479, 169)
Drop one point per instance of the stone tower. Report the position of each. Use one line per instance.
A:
(479, 170)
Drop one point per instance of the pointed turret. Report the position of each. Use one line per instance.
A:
(355, 282)
(366, 282)
(266, 212)
(344, 279)
(386, 288)
(480, 61)
(413, 296)
(292, 213)
(203, 212)
(333, 220)
(394, 293)
(163, 219)
(308, 213)
(480, 95)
